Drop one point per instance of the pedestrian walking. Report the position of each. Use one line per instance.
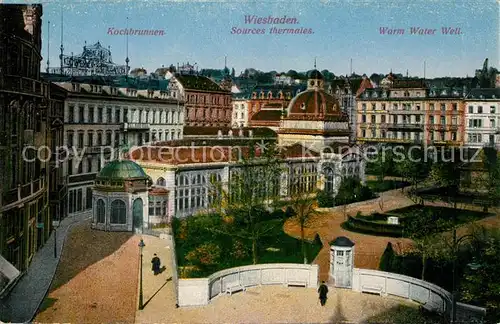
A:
(156, 264)
(323, 292)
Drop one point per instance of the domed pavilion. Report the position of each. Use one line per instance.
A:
(314, 117)
(121, 198)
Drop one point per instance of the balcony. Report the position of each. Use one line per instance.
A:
(134, 126)
(26, 86)
(407, 126)
(94, 150)
(406, 112)
(23, 192)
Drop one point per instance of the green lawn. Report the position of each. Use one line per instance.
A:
(278, 247)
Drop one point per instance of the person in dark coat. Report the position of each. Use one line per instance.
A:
(156, 264)
(323, 292)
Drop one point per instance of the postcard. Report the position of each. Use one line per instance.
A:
(238, 161)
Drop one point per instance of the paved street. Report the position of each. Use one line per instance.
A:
(97, 279)
(25, 298)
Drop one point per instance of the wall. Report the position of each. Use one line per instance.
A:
(430, 296)
(196, 292)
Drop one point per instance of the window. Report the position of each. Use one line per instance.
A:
(418, 107)
(374, 106)
(71, 113)
(125, 115)
(80, 140)
(492, 109)
(91, 114)
(443, 120)
(108, 115)
(443, 107)
(99, 138)
(492, 123)
(118, 212)
(117, 115)
(108, 138)
(431, 120)
(363, 133)
(480, 109)
(431, 106)
(363, 118)
(453, 136)
(70, 139)
(395, 106)
(70, 167)
(383, 106)
(90, 138)
(161, 182)
(373, 119)
(417, 119)
(454, 120)
(382, 118)
(100, 114)
(471, 109)
(454, 106)
(101, 211)
(81, 113)
(363, 106)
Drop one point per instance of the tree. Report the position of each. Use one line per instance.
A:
(423, 228)
(481, 283)
(233, 72)
(253, 185)
(387, 258)
(304, 210)
(292, 74)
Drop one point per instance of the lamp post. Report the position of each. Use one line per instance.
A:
(141, 300)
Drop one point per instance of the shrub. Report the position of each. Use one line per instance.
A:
(239, 250)
(325, 199)
(387, 258)
(206, 254)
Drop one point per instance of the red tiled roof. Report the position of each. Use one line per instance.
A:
(365, 84)
(263, 115)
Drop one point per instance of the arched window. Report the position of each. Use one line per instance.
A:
(101, 211)
(161, 182)
(118, 212)
(329, 179)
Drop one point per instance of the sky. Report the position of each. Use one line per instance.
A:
(344, 30)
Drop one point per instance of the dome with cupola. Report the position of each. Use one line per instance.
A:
(122, 170)
(314, 74)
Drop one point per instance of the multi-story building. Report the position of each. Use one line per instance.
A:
(206, 103)
(482, 117)
(58, 189)
(25, 220)
(407, 111)
(100, 119)
(240, 109)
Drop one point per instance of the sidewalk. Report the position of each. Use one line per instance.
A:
(21, 305)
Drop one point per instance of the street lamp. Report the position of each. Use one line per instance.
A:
(141, 300)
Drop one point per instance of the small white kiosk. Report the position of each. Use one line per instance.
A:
(342, 262)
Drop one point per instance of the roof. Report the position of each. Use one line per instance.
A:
(342, 241)
(484, 93)
(365, 84)
(270, 115)
(181, 155)
(314, 74)
(314, 104)
(198, 82)
(122, 170)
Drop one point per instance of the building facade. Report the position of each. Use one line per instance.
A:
(100, 120)
(25, 219)
(482, 118)
(240, 110)
(206, 103)
(407, 111)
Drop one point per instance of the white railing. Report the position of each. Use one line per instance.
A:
(430, 296)
(196, 292)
